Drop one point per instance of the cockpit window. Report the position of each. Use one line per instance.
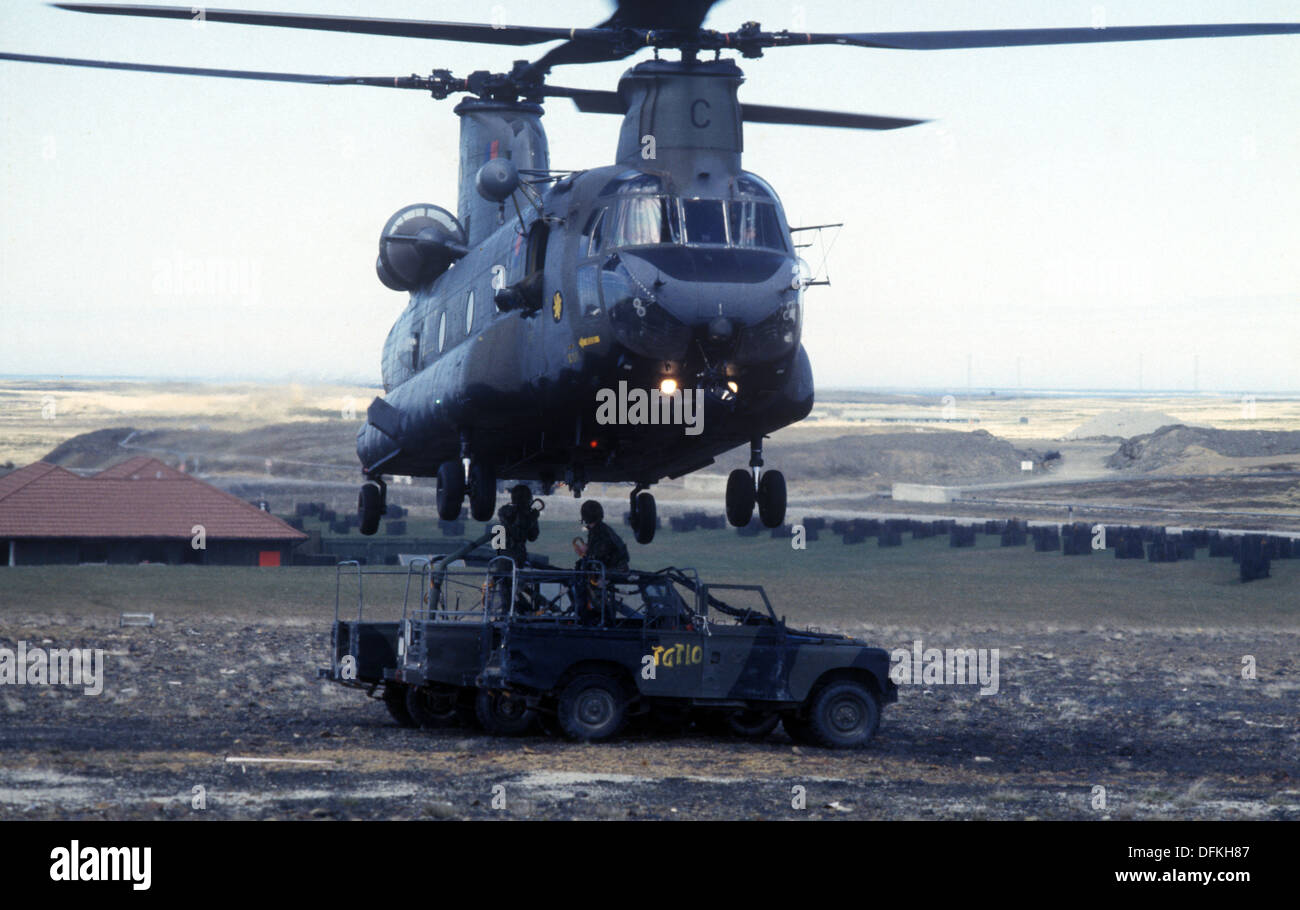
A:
(705, 221)
(633, 183)
(753, 185)
(643, 220)
(754, 224)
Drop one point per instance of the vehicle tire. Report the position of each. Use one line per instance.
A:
(592, 707)
(644, 518)
(740, 497)
(771, 499)
(395, 701)
(370, 505)
(451, 490)
(752, 724)
(504, 714)
(432, 708)
(482, 491)
(843, 715)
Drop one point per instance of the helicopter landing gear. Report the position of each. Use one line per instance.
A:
(482, 491)
(645, 516)
(771, 499)
(766, 488)
(372, 502)
(451, 490)
(740, 498)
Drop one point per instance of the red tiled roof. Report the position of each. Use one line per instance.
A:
(141, 497)
(141, 467)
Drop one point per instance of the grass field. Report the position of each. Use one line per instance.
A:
(923, 582)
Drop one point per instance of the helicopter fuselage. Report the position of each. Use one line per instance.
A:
(672, 269)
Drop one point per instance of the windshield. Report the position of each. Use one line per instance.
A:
(655, 220)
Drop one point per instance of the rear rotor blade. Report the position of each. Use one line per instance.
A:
(415, 82)
(401, 28)
(1024, 37)
(676, 15)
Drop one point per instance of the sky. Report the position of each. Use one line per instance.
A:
(1075, 217)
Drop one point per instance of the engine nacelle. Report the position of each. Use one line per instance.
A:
(418, 244)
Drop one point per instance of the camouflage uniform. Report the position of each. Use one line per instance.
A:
(607, 547)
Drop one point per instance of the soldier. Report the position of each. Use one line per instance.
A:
(591, 600)
(520, 522)
(602, 543)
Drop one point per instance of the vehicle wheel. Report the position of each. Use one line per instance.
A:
(843, 715)
(395, 701)
(482, 491)
(431, 708)
(451, 490)
(752, 724)
(644, 518)
(771, 499)
(592, 707)
(504, 714)
(370, 505)
(740, 497)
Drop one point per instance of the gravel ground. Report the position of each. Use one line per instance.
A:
(1161, 719)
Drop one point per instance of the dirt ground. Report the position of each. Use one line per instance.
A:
(1162, 719)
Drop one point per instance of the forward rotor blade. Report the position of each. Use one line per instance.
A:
(414, 82)
(802, 116)
(594, 101)
(515, 35)
(1024, 37)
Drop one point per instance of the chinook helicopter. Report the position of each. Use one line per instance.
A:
(670, 275)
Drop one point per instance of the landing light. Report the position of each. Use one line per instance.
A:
(668, 386)
(735, 389)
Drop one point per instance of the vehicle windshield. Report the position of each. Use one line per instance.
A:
(645, 220)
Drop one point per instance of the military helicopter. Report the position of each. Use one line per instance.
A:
(622, 323)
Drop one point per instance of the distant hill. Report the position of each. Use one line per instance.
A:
(915, 456)
(1123, 424)
(299, 449)
(1200, 450)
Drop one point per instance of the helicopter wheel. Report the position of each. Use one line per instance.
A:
(740, 498)
(771, 499)
(482, 491)
(451, 490)
(645, 517)
(370, 505)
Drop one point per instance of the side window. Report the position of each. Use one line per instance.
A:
(596, 231)
(469, 313)
(538, 234)
(442, 331)
(589, 290)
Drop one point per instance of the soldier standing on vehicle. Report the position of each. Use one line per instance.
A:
(602, 545)
(520, 522)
